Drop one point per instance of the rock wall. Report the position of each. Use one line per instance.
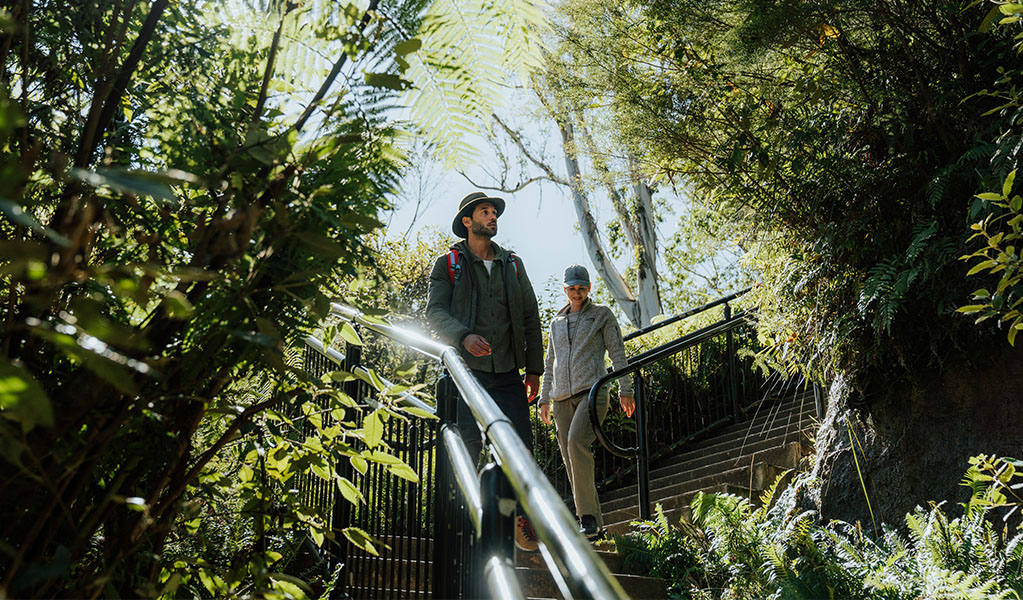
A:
(916, 439)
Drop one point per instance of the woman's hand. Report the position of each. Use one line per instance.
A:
(628, 405)
(545, 413)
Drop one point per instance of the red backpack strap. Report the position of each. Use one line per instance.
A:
(454, 269)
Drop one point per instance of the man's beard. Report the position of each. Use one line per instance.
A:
(482, 230)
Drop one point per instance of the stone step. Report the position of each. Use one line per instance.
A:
(677, 504)
(727, 461)
(538, 583)
(728, 445)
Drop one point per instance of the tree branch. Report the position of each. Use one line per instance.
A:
(271, 59)
(516, 137)
(334, 72)
(108, 96)
(508, 190)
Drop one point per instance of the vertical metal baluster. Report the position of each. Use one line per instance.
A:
(446, 555)
(426, 497)
(643, 459)
(730, 350)
(390, 521)
(345, 514)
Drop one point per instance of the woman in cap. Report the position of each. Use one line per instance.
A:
(580, 335)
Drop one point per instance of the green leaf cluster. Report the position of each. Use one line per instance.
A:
(184, 189)
(840, 140)
(998, 259)
(731, 548)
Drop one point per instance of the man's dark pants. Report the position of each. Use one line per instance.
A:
(509, 393)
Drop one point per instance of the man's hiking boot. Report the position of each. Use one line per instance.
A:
(525, 537)
(589, 528)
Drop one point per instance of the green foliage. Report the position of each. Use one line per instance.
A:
(184, 186)
(840, 138)
(998, 255)
(469, 48)
(733, 549)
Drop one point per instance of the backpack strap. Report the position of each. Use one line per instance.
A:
(454, 269)
(514, 260)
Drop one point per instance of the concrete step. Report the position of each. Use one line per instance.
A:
(740, 440)
(753, 478)
(682, 508)
(534, 560)
(538, 583)
(786, 454)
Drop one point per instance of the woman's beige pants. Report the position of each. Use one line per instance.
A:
(575, 437)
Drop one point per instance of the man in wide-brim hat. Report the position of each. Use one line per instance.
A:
(482, 303)
(466, 208)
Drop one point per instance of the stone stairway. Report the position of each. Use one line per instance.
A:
(537, 583)
(744, 458)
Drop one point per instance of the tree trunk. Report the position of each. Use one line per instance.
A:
(916, 439)
(620, 290)
(646, 261)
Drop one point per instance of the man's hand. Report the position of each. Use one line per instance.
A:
(545, 413)
(628, 405)
(476, 345)
(532, 385)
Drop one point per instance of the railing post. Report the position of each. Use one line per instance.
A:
(497, 533)
(733, 392)
(643, 455)
(445, 517)
(342, 516)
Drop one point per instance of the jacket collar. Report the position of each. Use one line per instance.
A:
(463, 247)
(586, 306)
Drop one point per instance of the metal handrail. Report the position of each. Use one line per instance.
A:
(651, 356)
(686, 314)
(574, 558)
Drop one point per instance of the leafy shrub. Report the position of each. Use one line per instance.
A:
(733, 549)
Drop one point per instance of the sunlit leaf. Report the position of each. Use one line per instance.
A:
(361, 540)
(350, 492)
(18, 216)
(349, 335)
(373, 428)
(404, 471)
(22, 399)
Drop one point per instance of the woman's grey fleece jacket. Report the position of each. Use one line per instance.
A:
(574, 365)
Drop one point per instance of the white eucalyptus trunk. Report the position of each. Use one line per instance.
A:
(616, 284)
(646, 261)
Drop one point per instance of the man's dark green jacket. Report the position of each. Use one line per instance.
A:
(451, 310)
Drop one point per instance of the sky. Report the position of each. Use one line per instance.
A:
(539, 223)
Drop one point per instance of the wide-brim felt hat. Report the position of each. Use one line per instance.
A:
(467, 205)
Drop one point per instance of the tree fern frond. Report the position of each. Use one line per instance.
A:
(468, 49)
(922, 233)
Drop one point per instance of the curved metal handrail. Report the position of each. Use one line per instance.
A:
(574, 559)
(686, 314)
(648, 357)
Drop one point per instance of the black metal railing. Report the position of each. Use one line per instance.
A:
(456, 522)
(687, 387)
